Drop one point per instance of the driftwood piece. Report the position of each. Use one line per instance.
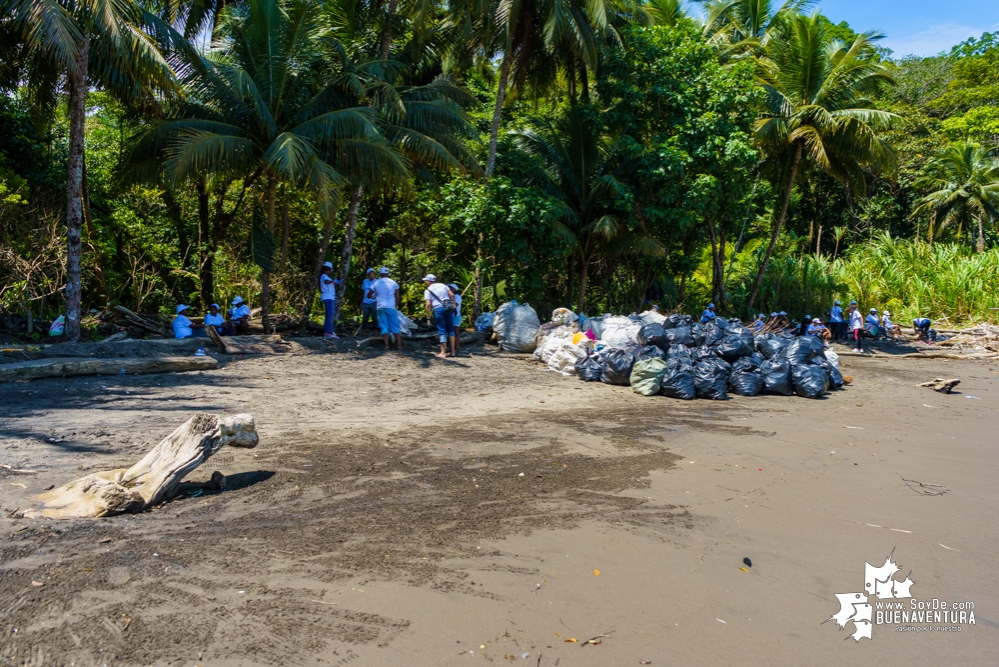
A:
(157, 477)
(62, 367)
(941, 385)
(250, 344)
(142, 322)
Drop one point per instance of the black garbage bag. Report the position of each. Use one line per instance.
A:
(617, 367)
(651, 352)
(653, 334)
(680, 336)
(814, 342)
(746, 364)
(835, 377)
(735, 345)
(711, 378)
(771, 346)
(721, 322)
(799, 351)
(746, 381)
(673, 321)
(679, 383)
(777, 376)
(679, 358)
(590, 369)
(712, 334)
(703, 352)
(697, 333)
(809, 381)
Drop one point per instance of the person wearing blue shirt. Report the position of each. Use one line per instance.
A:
(759, 323)
(708, 314)
(369, 306)
(922, 327)
(836, 322)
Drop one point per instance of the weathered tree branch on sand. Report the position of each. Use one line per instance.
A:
(156, 477)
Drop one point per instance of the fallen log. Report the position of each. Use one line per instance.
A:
(940, 384)
(157, 477)
(250, 344)
(142, 322)
(64, 367)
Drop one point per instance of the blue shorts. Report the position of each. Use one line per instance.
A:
(444, 319)
(388, 320)
(457, 320)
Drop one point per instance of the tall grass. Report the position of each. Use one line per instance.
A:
(945, 282)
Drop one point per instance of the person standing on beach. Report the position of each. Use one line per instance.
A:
(369, 306)
(856, 326)
(836, 323)
(457, 316)
(439, 301)
(327, 292)
(385, 292)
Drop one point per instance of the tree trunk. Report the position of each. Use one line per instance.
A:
(286, 220)
(930, 230)
(584, 270)
(477, 302)
(980, 245)
(498, 112)
(348, 249)
(206, 249)
(717, 266)
(386, 38)
(818, 243)
(795, 161)
(836, 250)
(74, 191)
(270, 193)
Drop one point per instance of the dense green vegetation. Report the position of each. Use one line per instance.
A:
(585, 153)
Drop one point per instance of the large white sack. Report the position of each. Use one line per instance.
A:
(565, 355)
(652, 317)
(832, 358)
(620, 332)
(516, 326)
(406, 325)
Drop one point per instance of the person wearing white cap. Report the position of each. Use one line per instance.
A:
(890, 329)
(439, 301)
(817, 329)
(856, 325)
(369, 306)
(327, 292)
(213, 318)
(457, 316)
(873, 324)
(183, 327)
(239, 317)
(385, 292)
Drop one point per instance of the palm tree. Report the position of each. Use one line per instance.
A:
(276, 109)
(964, 179)
(838, 234)
(576, 160)
(743, 27)
(816, 110)
(111, 44)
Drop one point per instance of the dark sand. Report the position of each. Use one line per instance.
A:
(402, 510)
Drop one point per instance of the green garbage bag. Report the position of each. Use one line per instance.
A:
(647, 376)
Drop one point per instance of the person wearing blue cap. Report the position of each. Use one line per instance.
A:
(759, 323)
(369, 305)
(708, 314)
(837, 327)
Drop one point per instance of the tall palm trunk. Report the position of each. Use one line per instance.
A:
(980, 245)
(795, 161)
(498, 112)
(270, 193)
(206, 248)
(348, 249)
(74, 191)
(584, 273)
(930, 230)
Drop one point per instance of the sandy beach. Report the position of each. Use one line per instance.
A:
(403, 510)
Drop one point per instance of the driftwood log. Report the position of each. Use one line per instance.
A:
(156, 477)
(249, 344)
(143, 323)
(44, 368)
(941, 385)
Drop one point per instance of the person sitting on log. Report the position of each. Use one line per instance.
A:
(239, 318)
(183, 327)
(214, 318)
(888, 327)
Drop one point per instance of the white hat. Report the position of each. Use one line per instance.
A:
(430, 277)
(328, 265)
(214, 305)
(874, 310)
(383, 271)
(816, 321)
(237, 300)
(181, 308)
(886, 313)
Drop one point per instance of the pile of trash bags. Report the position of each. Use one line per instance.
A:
(672, 355)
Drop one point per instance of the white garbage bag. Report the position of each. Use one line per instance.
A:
(564, 316)
(620, 332)
(832, 358)
(516, 326)
(565, 355)
(652, 317)
(406, 325)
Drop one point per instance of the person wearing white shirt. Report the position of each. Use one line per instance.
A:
(239, 317)
(439, 301)
(856, 325)
(385, 292)
(327, 292)
(457, 316)
(213, 318)
(183, 327)
(369, 306)
(888, 326)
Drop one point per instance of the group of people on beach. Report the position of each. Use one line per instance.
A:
(380, 305)
(841, 327)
